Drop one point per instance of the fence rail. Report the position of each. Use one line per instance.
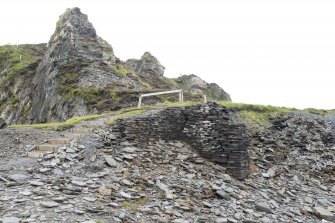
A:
(180, 92)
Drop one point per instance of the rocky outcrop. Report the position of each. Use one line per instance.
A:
(151, 70)
(75, 74)
(75, 45)
(147, 66)
(197, 85)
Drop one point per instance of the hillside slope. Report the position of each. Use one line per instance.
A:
(76, 73)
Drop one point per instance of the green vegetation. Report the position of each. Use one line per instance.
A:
(257, 108)
(252, 117)
(68, 76)
(319, 111)
(144, 83)
(133, 205)
(91, 95)
(255, 115)
(19, 60)
(135, 112)
(129, 205)
(171, 104)
(128, 114)
(122, 70)
(68, 123)
(115, 97)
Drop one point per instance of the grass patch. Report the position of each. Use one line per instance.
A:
(136, 112)
(135, 204)
(19, 60)
(52, 125)
(167, 104)
(128, 114)
(129, 205)
(256, 108)
(321, 112)
(272, 109)
(252, 117)
(121, 70)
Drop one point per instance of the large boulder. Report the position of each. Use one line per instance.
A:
(196, 85)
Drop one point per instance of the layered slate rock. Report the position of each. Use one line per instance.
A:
(211, 130)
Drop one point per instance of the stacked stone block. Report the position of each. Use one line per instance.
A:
(209, 129)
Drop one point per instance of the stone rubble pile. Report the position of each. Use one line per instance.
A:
(299, 140)
(112, 176)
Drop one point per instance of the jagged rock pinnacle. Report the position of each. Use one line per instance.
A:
(75, 22)
(76, 38)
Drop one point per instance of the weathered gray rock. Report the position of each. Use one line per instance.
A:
(197, 85)
(180, 220)
(221, 220)
(110, 161)
(147, 66)
(78, 183)
(36, 183)
(223, 195)
(150, 70)
(74, 43)
(324, 214)
(49, 204)
(19, 177)
(263, 206)
(129, 149)
(10, 220)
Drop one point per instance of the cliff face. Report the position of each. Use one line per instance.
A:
(72, 52)
(18, 65)
(75, 73)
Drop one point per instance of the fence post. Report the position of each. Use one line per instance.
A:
(139, 101)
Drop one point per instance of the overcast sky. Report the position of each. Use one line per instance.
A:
(264, 52)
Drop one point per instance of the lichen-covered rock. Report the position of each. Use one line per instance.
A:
(216, 92)
(18, 64)
(151, 70)
(197, 85)
(147, 65)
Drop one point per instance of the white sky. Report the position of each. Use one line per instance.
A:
(264, 52)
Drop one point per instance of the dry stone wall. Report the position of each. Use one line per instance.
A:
(210, 129)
